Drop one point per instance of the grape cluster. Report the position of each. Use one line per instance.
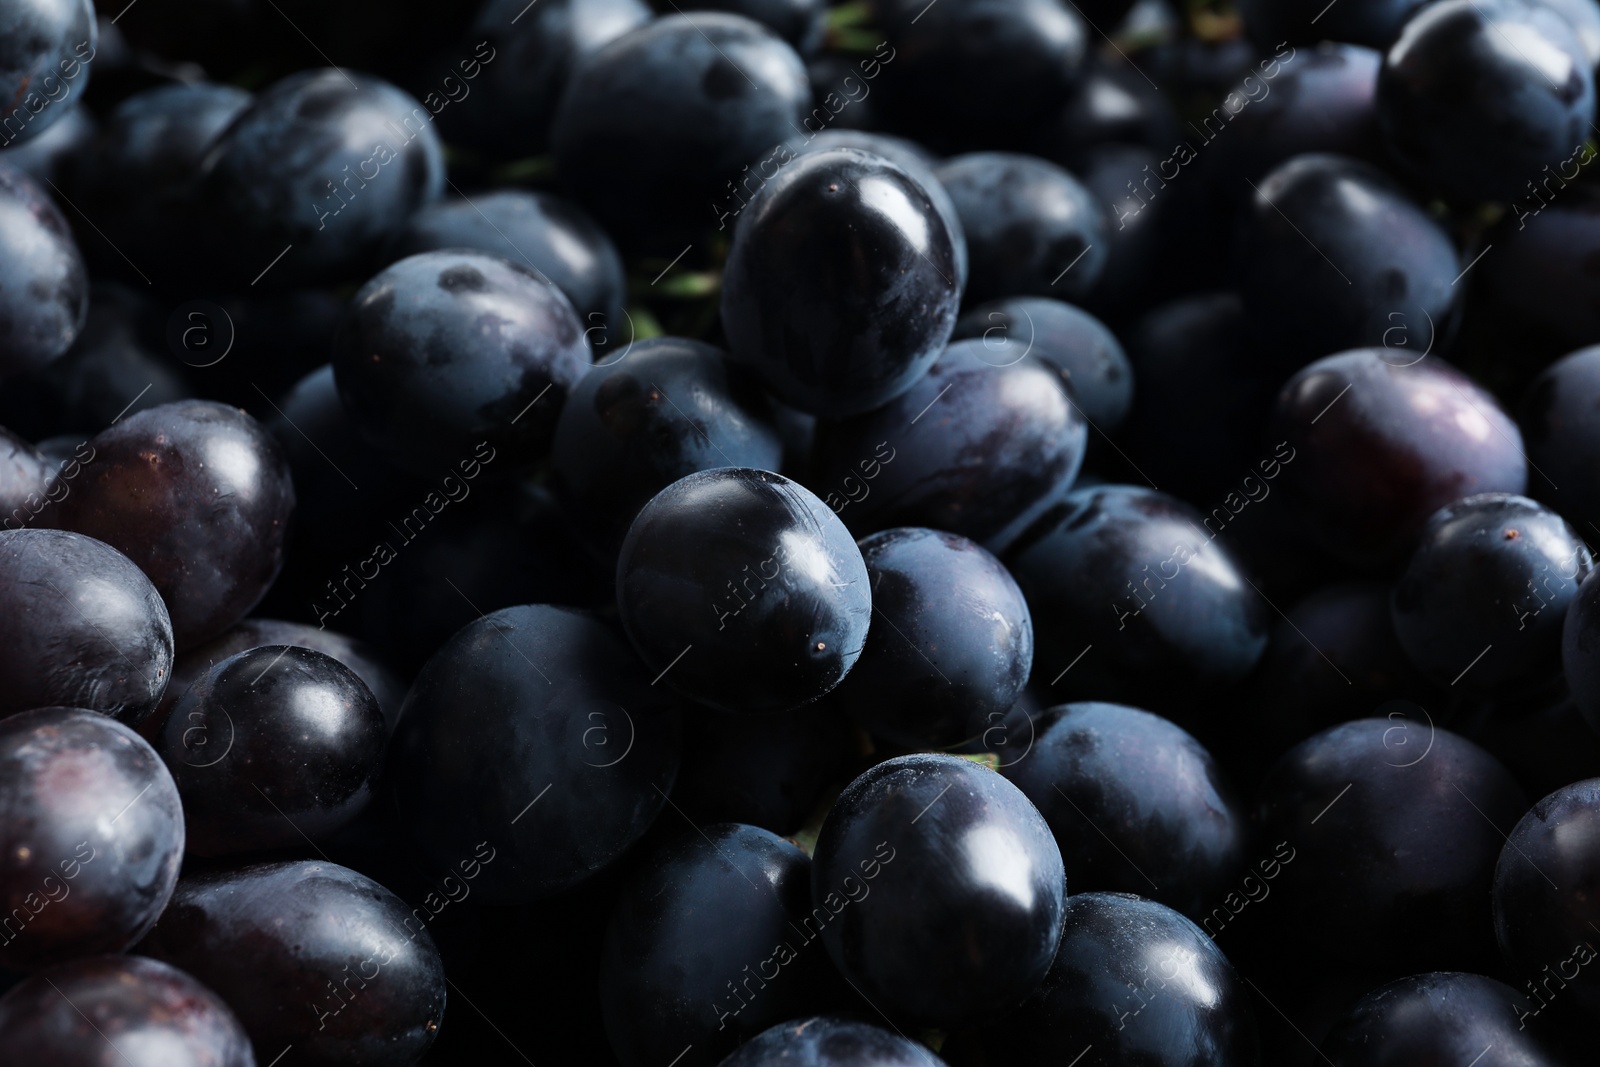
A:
(799, 533)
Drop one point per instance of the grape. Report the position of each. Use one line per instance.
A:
(199, 496)
(93, 835)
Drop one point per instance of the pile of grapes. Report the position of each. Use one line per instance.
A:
(882, 533)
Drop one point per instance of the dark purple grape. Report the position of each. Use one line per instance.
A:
(982, 73)
(840, 288)
(525, 57)
(362, 660)
(1382, 440)
(44, 64)
(830, 1041)
(1474, 118)
(1031, 228)
(1112, 622)
(981, 446)
(1547, 901)
(1088, 354)
(107, 1011)
(524, 702)
(270, 748)
(1442, 1017)
(696, 559)
(708, 947)
(44, 291)
(91, 835)
(553, 236)
(97, 634)
(199, 496)
(1135, 803)
(907, 155)
(444, 351)
(668, 408)
(1484, 597)
(1133, 982)
(1319, 99)
(937, 669)
(321, 170)
(1334, 255)
(1395, 827)
(689, 99)
(1560, 420)
(288, 945)
(982, 874)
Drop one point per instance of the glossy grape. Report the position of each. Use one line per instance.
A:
(1419, 432)
(981, 447)
(1546, 887)
(1121, 579)
(708, 946)
(97, 637)
(1132, 982)
(1483, 599)
(1396, 871)
(694, 98)
(322, 169)
(289, 947)
(1031, 228)
(553, 236)
(1474, 119)
(271, 747)
(937, 842)
(199, 496)
(830, 328)
(669, 408)
(1135, 804)
(708, 617)
(128, 1010)
(45, 292)
(1086, 352)
(937, 670)
(91, 835)
(444, 351)
(526, 702)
